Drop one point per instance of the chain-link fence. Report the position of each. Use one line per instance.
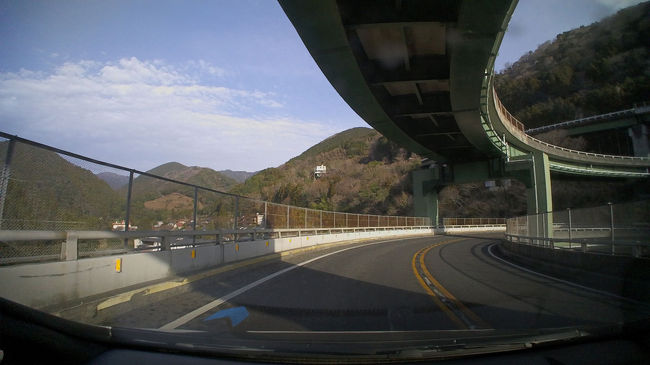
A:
(47, 189)
(614, 228)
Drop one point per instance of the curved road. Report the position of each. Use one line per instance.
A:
(425, 283)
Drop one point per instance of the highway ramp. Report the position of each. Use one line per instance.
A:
(434, 283)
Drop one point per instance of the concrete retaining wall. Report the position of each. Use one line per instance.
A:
(622, 275)
(45, 284)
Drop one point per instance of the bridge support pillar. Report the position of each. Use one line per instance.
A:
(425, 194)
(639, 136)
(540, 198)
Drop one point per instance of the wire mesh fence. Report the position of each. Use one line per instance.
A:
(473, 221)
(46, 189)
(613, 228)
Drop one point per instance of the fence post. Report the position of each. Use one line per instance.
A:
(321, 218)
(236, 213)
(71, 246)
(128, 202)
(305, 217)
(4, 179)
(611, 224)
(196, 200)
(165, 243)
(569, 214)
(266, 216)
(334, 223)
(346, 220)
(128, 207)
(287, 217)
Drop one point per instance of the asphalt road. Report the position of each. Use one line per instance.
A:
(432, 283)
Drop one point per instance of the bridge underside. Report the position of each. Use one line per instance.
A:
(398, 64)
(420, 73)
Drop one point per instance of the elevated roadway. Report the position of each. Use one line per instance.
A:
(420, 72)
(602, 122)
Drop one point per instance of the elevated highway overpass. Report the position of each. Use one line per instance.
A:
(625, 132)
(421, 73)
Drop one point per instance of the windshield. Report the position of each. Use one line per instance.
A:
(331, 179)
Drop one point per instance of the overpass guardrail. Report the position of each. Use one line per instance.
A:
(71, 243)
(517, 127)
(613, 229)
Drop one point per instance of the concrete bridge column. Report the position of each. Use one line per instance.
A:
(639, 136)
(425, 194)
(540, 198)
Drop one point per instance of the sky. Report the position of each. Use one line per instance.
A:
(219, 84)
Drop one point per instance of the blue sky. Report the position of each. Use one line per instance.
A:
(220, 84)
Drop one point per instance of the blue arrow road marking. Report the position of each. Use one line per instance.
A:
(236, 315)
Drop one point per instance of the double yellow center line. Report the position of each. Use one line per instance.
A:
(452, 307)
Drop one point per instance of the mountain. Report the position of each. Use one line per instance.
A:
(154, 200)
(365, 173)
(46, 191)
(591, 70)
(201, 176)
(239, 176)
(115, 181)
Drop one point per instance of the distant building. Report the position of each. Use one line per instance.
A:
(119, 226)
(319, 171)
(259, 219)
(498, 184)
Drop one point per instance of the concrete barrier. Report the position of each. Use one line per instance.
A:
(469, 229)
(625, 276)
(41, 285)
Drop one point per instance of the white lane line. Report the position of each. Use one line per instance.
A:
(217, 302)
(602, 292)
(364, 332)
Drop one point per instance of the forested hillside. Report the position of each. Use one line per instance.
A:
(365, 173)
(591, 70)
(46, 191)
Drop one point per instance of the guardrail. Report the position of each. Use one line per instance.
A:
(46, 191)
(154, 241)
(642, 107)
(636, 249)
(616, 229)
(472, 221)
(517, 127)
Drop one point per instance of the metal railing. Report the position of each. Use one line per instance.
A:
(519, 129)
(617, 229)
(57, 193)
(473, 222)
(72, 245)
(638, 108)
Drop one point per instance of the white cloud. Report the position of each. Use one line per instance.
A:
(142, 113)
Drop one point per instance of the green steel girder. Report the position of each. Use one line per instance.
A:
(321, 29)
(465, 127)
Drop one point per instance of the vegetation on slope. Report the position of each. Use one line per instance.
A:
(46, 191)
(591, 70)
(365, 173)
